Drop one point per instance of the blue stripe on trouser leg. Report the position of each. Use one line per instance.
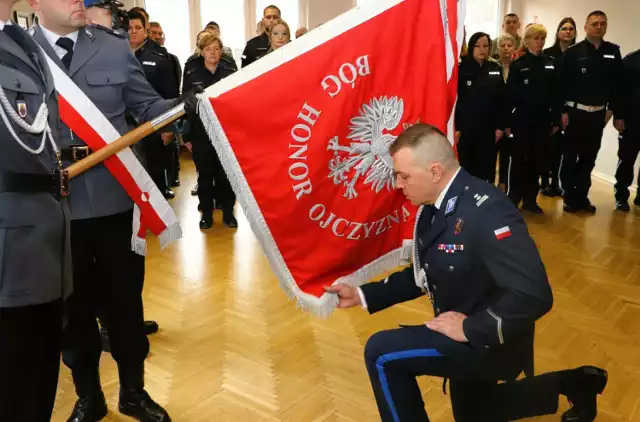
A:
(390, 357)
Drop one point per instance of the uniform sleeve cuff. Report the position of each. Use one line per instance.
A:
(363, 300)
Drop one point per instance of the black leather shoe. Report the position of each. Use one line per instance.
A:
(552, 192)
(582, 387)
(150, 327)
(589, 207)
(230, 222)
(623, 206)
(533, 208)
(89, 409)
(206, 222)
(175, 183)
(570, 208)
(169, 194)
(140, 405)
(194, 191)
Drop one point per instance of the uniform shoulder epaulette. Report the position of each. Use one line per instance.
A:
(576, 44)
(481, 193)
(109, 31)
(612, 44)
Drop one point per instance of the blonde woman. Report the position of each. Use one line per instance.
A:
(279, 35)
(535, 116)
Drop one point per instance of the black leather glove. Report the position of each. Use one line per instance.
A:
(190, 101)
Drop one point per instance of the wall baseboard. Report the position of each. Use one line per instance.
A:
(610, 180)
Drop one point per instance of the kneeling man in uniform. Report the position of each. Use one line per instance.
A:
(475, 259)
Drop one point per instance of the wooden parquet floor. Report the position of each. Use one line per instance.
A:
(232, 347)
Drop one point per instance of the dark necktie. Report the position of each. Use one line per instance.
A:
(67, 44)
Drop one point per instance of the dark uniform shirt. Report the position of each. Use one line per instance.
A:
(554, 52)
(196, 74)
(255, 49)
(631, 104)
(481, 95)
(159, 69)
(591, 76)
(532, 96)
(476, 257)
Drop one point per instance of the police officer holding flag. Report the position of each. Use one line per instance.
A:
(35, 254)
(475, 260)
(101, 64)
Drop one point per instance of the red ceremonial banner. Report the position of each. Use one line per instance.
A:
(304, 136)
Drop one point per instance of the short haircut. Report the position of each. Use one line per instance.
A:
(134, 14)
(428, 143)
(139, 10)
(597, 13)
(511, 15)
(154, 24)
(271, 6)
(208, 39)
(214, 24)
(534, 30)
(506, 37)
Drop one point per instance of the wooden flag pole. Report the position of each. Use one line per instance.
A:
(125, 141)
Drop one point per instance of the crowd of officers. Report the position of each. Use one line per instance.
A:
(545, 110)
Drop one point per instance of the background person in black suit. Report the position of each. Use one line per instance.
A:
(479, 266)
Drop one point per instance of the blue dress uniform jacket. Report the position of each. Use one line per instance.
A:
(35, 255)
(106, 70)
(479, 260)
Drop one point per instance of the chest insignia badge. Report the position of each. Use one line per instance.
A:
(451, 205)
(584, 70)
(457, 229)
(469, 83)
(22, 109)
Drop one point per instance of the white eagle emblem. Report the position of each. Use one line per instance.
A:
(369, 155)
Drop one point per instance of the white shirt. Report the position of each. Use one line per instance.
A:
(53, 38)
(437, 204)
(3, 23)
(443, 194)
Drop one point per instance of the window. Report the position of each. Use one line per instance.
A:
(229, 14)
(483, 16)
(290, 10)
(172, 14)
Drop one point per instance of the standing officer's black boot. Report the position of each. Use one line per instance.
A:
(91, 405)
(134, 400)
(582, 387)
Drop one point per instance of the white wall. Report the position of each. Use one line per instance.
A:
(322, 11)
(623, 30)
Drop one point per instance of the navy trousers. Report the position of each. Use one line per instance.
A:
(394, 359)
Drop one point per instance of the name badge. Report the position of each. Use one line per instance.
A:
(609, 56)
(149, 63)
(549, 67)
(494, 73)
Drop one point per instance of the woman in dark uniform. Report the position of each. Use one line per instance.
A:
(480, 110)
(565, 37)
(535, 117)
(203, 71)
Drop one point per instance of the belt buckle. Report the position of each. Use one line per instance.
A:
(61, 183)
(79, 152)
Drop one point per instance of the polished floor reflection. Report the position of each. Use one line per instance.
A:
(232, 347)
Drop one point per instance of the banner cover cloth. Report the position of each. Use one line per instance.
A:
(304, 134)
